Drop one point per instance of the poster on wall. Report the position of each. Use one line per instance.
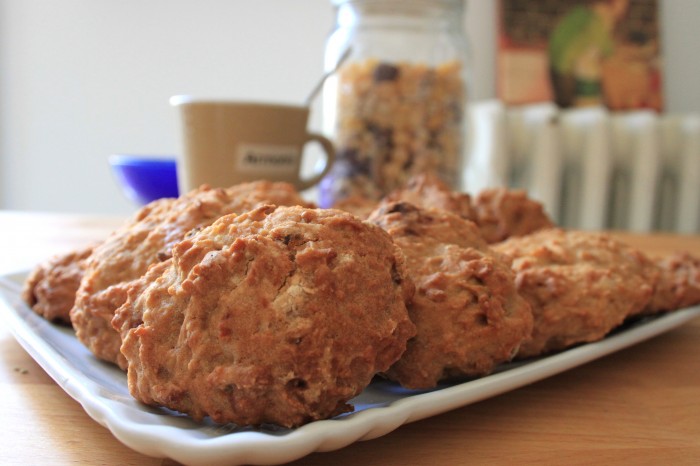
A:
(580, 53)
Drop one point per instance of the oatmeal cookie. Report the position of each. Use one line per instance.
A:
(468, 315)
(424, 190)
(146, 239)
(129, 316)
(581, 285)
(428, 191)
(502, 213)
(50, 288)
(357, 205)
(679, 283)
(279, 315)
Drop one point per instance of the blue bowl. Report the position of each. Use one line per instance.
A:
(144, 178)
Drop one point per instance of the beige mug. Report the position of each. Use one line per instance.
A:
(227, 142)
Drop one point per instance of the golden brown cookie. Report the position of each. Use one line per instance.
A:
(279, 315)
(468, 315)
(679, 283)
(428, 191)
(502, 213)
(581, 285)
(146, 239)
(357, 205)
(128, 316)
(50, 288)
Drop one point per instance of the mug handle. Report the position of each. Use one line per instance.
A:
(329, 149)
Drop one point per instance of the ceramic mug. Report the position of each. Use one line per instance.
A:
(229, 142)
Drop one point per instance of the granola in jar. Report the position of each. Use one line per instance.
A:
(394, 103)
(393, 121)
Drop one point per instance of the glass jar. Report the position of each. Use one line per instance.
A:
(395, 106)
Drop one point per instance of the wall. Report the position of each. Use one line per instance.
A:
(81, 79)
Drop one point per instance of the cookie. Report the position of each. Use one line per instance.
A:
(679, 283)
(50, 288)
(468, 315)
(280, 315)
(581, 285)
(146, 239)
(428, 191)
(502, 213)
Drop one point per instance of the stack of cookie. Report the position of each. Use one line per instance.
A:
(248, 305)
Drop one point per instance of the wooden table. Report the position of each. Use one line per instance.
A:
(638, 406)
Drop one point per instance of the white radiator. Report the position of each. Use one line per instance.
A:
(592, 169)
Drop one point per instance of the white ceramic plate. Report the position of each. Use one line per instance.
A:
(101, 390)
